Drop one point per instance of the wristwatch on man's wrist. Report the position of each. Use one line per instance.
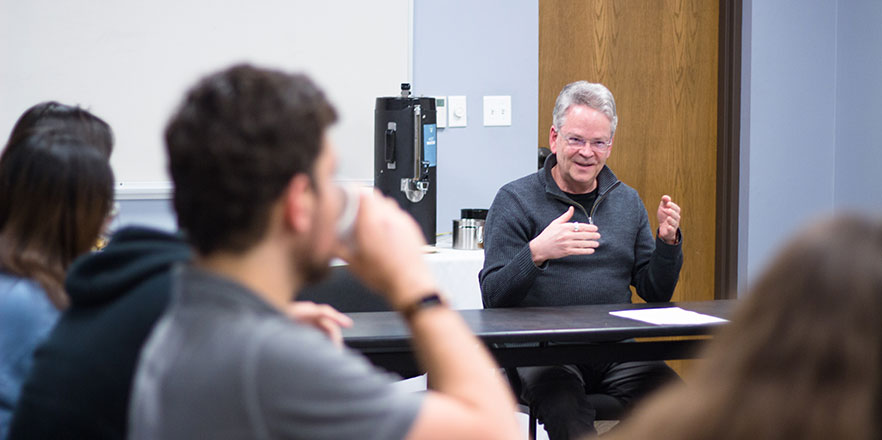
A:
(427, 301)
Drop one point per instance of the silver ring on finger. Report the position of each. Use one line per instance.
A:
(576, 227)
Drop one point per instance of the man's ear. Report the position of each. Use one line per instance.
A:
(552, 140)
(300, 203)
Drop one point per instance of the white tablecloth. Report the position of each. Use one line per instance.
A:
(457, 273)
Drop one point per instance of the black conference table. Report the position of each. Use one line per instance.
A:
(533, 336)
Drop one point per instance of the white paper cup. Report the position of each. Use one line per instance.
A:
(348, 215)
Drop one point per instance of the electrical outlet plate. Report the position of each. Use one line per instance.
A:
(497, 111)
(457, 114)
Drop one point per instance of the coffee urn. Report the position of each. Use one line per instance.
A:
(405, 155)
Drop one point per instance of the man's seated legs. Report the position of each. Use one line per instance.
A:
(627, 381)
(568, 398)
(557, 395)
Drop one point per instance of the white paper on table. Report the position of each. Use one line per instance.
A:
(668, 315)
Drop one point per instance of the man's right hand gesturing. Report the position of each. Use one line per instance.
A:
(562, 238)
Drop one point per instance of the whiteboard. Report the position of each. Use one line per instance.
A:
(130, 63)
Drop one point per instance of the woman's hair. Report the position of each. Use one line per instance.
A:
(53, 115)
(802, 356)
(56, 188)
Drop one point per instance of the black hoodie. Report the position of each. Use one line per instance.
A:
(80, 381)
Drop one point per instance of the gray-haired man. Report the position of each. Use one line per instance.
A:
(570, 234)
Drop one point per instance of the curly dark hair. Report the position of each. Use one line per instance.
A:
(233, 146)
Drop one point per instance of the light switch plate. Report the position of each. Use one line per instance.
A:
(497, 111)
(457, 113)
(441, 111)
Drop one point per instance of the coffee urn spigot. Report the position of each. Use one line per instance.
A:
(416, 187)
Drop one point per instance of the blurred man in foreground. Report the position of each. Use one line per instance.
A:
(252, 168)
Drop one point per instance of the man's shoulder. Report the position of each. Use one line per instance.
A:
(206, 318)
(624, 203)
(190, 338)
(282, 347)
(531, 180)
(626, 191)
(277, 337)
(209, 328)
(524, 188)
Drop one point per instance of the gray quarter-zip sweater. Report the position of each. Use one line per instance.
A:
(628, 254)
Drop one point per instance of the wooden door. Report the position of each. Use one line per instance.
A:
(659, 58)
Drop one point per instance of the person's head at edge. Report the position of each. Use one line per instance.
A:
(581, 136)
(246, 148)
(802, 355)
(56, 189)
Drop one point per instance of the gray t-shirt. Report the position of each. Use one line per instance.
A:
(222, 364)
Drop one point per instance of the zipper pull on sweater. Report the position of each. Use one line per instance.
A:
(600, 199)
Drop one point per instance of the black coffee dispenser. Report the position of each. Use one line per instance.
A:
(405, 155)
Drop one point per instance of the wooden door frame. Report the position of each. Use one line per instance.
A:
(728, 149)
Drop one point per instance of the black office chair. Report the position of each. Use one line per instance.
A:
(346, 293)
(607, 407)
(544, 152)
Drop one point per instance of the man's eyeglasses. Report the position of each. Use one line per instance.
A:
(596, 144)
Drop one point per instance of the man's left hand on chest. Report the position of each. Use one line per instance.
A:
(668, 220)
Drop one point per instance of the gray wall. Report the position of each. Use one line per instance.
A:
(478, 48)
(809, 140)
(789, 174)
(858, 179)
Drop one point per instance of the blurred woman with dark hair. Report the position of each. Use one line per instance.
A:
(56, 188)
(803, 354)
